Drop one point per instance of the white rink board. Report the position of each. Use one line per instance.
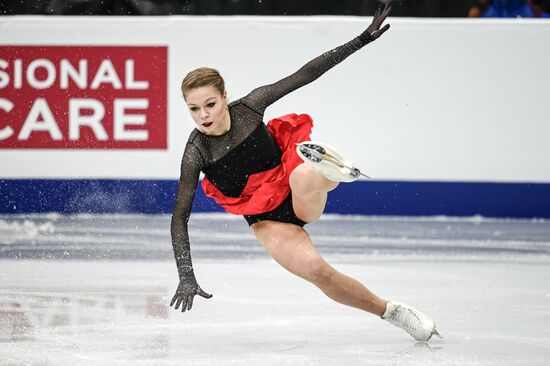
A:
(454, 100)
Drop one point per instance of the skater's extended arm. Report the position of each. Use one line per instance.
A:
(260, 98)
(188, 286)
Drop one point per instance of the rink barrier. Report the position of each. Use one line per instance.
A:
(410, 198)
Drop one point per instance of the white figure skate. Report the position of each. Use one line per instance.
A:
(412, 321)
(332, 164)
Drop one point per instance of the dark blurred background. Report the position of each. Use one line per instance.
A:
(404, 8)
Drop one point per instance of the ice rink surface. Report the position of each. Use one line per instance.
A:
(95, 289)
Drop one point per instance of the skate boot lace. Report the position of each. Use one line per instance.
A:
(412, 321)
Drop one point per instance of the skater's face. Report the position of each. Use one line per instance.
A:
(208, 107)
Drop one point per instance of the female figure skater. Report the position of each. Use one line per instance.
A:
(254, 170)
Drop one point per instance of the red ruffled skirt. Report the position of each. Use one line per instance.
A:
(265, 191)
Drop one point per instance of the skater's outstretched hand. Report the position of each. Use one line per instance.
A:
(187, 289)
(373, 32)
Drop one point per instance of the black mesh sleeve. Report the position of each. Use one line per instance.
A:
(260, 98)
(191, 166)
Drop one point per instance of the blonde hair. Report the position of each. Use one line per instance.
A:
(203, 76)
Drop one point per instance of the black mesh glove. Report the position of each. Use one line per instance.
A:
(187, 289)
(373, 31)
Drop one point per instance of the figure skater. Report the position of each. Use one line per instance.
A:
(254, 170)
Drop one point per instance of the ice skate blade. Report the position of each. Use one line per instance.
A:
(328, 161)
(434, 332)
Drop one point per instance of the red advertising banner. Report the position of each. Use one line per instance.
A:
(83, 97)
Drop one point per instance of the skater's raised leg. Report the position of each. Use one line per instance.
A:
(309, 192)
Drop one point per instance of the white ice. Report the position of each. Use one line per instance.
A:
(95, 289)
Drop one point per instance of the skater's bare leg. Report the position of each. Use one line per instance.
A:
(309, 192)
(291, 247)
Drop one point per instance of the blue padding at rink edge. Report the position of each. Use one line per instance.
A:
(93, 196)
(521, 200)
(518, 200)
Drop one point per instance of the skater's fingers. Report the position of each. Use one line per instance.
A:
(385, 14)
(178, 303)
(184, 306)
(387, 9)
(376, 34)
(380, 16)
(200, 292)
(173, 300)
(189, 302)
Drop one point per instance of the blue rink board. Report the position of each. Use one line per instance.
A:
(521, 200)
